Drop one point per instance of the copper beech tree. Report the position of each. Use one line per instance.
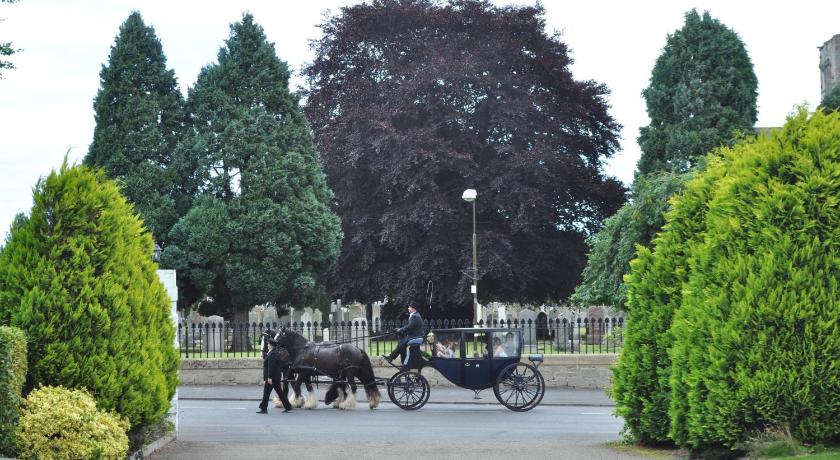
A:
(413, 102)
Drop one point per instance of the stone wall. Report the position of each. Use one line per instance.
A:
(559, 371)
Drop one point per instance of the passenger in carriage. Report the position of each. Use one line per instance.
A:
(498, 348)
(276, 361)
(442, 349)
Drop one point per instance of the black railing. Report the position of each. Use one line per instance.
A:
(553, 336)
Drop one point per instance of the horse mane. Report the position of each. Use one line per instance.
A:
(293, 339)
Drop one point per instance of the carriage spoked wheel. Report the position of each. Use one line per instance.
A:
(520, 387)
(409, 390)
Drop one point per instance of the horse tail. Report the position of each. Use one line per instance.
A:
(368, 379)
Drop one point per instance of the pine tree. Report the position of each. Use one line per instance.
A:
(702, 89)
(262, 233)
(139, 117)
(78, 278)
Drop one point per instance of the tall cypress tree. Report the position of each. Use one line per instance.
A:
(77, 276)
(702, 89)
(262, 232)
(702, 93)
(139, 116)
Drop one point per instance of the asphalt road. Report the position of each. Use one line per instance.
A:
(230, 429)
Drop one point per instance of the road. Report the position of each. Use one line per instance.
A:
(230, 429)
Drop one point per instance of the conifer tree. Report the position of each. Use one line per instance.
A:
(77, 276)
(262, 232)
(702, 89)
(702, 94)
(139, 117)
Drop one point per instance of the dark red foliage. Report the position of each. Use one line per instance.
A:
(412, 102)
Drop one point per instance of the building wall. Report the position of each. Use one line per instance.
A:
(559, 371)
(829, 64)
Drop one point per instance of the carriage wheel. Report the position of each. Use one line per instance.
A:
(409, 390)
(520, 387)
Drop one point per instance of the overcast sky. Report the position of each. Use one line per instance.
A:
(46, 102)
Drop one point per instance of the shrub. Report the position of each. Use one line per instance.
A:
(77, 276)
(59, 423)
(757, 339)
(641, 377)
(12, 376)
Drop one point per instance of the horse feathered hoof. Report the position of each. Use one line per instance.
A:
(348, 403)
(311, 402)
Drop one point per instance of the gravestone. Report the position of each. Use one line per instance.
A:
(567, 334)
(528, 323)
(358, 333)
(212, 339)
(594, 331)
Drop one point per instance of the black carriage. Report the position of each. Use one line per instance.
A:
(475, 359)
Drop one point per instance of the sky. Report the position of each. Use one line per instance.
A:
(46, 102)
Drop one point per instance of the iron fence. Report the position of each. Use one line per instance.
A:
(552, 336)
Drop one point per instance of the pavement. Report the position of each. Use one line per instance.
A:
(438, 395)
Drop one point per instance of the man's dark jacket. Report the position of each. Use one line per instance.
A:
(276, 361)
(414, 328)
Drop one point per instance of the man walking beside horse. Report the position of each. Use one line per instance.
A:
(275, 363)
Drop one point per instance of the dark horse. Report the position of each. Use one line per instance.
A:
(343, 362)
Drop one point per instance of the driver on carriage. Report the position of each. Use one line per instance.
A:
(413, 334)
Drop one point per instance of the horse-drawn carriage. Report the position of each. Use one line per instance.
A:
(475, 359)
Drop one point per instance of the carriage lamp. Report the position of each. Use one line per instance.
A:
(469, 196)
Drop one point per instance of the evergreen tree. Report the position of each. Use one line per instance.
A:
(702, 93)
(614, 246)
(756, 342)
(262, 232)
(77, 276)
(702, 89)
(139, 117)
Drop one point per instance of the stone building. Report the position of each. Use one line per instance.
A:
(829, 64)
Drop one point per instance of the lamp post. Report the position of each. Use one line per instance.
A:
(469, 196)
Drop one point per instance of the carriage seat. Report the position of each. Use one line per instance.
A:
(412, 355)
(535, 359)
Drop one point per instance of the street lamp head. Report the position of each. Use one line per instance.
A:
(156, 253)
(469, 195)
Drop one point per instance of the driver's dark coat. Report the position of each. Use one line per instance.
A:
(414, 328)
(276, 361)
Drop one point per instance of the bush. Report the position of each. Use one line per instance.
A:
(641, 377)
(12, 376)
(757, 339)
(58, 423)
(77, 276)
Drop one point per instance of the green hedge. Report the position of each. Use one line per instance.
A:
(77, 276)
(733, 325)
(12, 377)
(757, 341)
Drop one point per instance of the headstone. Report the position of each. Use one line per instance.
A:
(376, 315)
(528, 323)
(357, 310)
(595, 327)
(212, 339)
(358, 333)
(269, 316)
